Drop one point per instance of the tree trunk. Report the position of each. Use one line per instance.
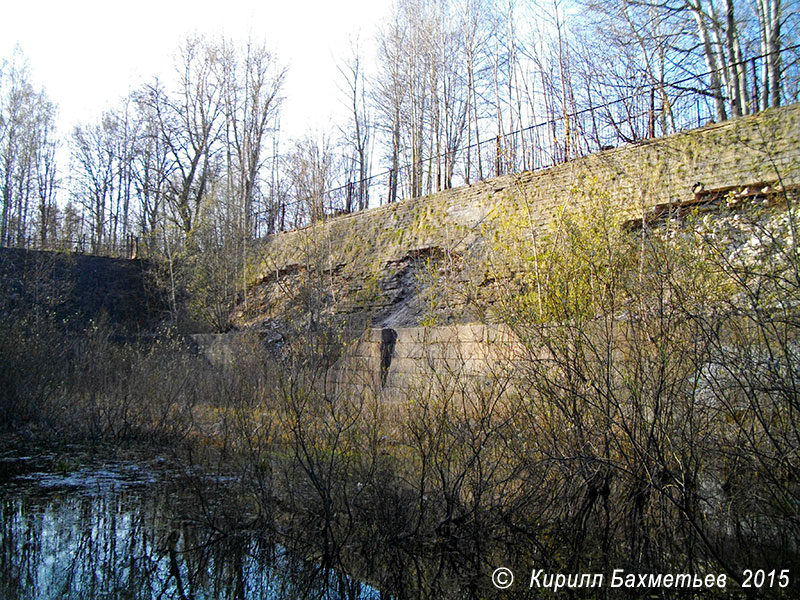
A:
(710, 57)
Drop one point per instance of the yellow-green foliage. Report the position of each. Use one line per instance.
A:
(569, 270)
(587, 263)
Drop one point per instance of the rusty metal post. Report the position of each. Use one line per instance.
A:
(497, 159)
(755, 86)
(652, 123)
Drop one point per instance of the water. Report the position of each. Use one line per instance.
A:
(121, 531)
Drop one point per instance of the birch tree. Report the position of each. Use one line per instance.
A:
(251, 85)
(27, 156)
(358, 133)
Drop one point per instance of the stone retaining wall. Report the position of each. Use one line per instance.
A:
(381, 267)
(371, 263)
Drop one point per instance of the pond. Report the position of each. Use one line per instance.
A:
(119, 530)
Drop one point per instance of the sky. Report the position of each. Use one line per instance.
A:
(88, 54)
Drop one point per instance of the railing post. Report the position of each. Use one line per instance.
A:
(755, 86)
(497, 163)
(697, 108)
(652, 123)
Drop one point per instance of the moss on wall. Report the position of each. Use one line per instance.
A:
(355, 254)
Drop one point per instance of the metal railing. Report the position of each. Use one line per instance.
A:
(129, 246)
(651, 112)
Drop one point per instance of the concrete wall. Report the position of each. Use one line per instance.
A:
(419, 354)
(79, 288)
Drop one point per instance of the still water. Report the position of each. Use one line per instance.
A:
(121, 531)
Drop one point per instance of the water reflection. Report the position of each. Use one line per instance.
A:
(119, 533)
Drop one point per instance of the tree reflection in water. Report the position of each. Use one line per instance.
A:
(102, 535)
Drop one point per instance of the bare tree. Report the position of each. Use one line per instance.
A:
(151, 168)
(94, 162)
(423, 101)
(27, 154)
(390, 94)
(251, 84)
(769, 20)
(311, 170)
(46, 173)
(477, 31)
(714, 41)
(189, 123)
(358, 134)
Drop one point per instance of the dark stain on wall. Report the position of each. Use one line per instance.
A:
(388, 341)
